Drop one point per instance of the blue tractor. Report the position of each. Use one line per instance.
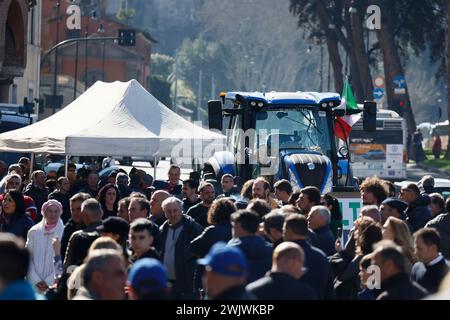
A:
(283, 135)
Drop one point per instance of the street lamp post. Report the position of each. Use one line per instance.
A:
(85, 60)
(76, 72)
(101, 30)
(56, 58)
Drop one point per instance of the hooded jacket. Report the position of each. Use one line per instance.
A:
(39, 242)
(442, 224)
(418, 213)
(258, 253)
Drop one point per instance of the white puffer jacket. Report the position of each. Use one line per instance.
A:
(39, 242)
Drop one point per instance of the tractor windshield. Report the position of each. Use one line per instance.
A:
(299, 128)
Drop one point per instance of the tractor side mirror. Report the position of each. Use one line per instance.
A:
(215, 114)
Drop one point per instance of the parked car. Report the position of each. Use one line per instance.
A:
(441, 186)
(374, 154)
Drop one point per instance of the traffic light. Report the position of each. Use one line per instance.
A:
(127, 37)
(28, 107)
(370, 116)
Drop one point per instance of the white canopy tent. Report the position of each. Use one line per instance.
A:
(116, 119)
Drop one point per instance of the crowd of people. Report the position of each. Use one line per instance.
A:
(130, 237)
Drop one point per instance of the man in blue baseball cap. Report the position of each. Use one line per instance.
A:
(226, 273)
(393, 207)
(147, 280)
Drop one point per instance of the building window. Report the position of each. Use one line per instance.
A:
(14, 93)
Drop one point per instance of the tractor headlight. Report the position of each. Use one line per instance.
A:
(294, 182)
(329, 184)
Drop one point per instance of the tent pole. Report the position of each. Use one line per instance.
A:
(31, 166)
(66, 163)
(154, 168)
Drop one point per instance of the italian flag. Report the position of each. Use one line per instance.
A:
(343, 125)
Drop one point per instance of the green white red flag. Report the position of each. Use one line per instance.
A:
(343, 125)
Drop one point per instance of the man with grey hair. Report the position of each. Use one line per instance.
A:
(371, 212)
(394, 280)
(37, 190)
(104, 276)
(319, 221)
(176, 234)
(81, 240)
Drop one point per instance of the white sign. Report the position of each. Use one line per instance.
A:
(400, 91)
(394, 155)
(73, 21)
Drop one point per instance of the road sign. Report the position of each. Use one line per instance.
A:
(378, 93)
(379, 82)
(399, 82)
(399, 91)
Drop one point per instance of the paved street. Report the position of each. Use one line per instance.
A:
(414, 173)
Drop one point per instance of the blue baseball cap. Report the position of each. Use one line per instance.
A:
(148, 275)
(225, 260)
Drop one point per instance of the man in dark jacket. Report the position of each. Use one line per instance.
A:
(244, 225)
(62, 195)
(199, 212)
(319, 218)
(226, 272)
(392, 207)
(418, 213)
(189, 191)
(176, 234)
(81, 240)
(442, 224)
(75, 223)
(280, 283)
(319, 275)
(38, 191)
(394, 282)
(431, 268)
(273, 227)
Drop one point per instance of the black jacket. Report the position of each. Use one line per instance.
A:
(69, 229)
(258, 253)
(346, 271)
(418, 213)
(281, 286)
(319, 275)
(442, 224)
(79, 244)
(39, 196)
(151, 253)
(185, 261)
(187, 204)
(65, 202)
(212, 234)
(199, 213)
(400, 287)
(325, 240)
(19, 225)
(235, 293)
(429, 277)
